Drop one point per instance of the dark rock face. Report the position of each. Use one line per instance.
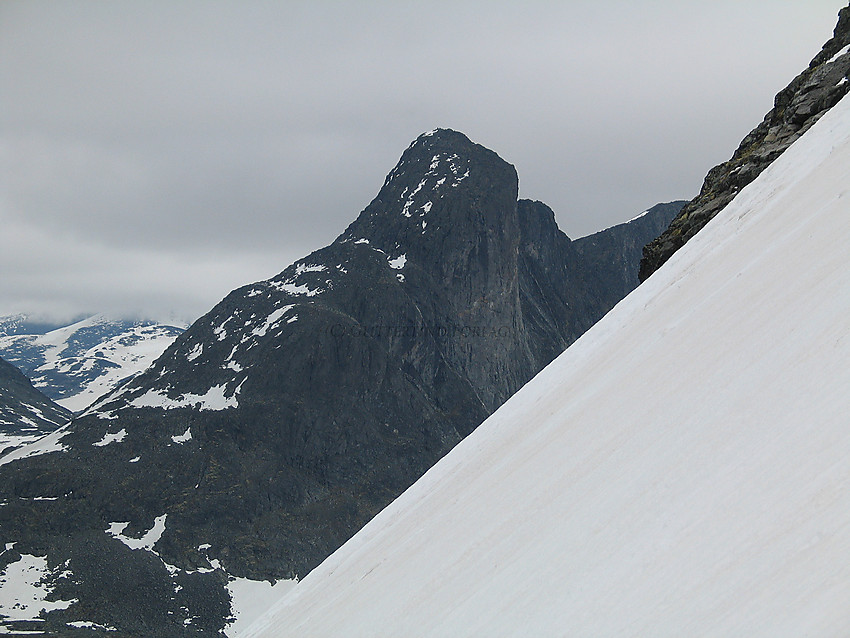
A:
(25, 413)
(796, 108)
(297, 408)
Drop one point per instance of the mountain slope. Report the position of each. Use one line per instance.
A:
(796, 108)
(78, 363)
(298, 407)
(681, 470)
(25, 413)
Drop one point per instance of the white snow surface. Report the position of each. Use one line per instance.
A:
(398, 263)
(682, 470)
(183, 438)
(249, 599)
(839, 54)
(23, 591)
(148, 539)
(108, 438)
(272, 320)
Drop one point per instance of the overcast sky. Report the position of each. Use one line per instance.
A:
(156, 155)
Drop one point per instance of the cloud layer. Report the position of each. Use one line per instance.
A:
(156, 155)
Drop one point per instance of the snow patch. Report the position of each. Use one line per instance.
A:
(108, 438)
(839, 54)
(147, 541)
(183, 438)
(87, 624)
(302, 268)
(638, 216)
(272, 320)
(195, 352)
(296, 290)
(24, 589)
(398, 263)
(213, 399)
(45, 445)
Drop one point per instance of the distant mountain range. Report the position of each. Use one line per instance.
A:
(77, 363)
(280, 422)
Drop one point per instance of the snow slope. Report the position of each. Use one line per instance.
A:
(681, 470)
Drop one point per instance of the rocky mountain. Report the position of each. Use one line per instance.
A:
(77, 363)
(796, 108)
(681, 470)
(290, 414)
(25, 413)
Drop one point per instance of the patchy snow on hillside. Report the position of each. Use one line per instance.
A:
(44, 445)
(148, 539)
(213, 399)
(681, 470)
(76, 364)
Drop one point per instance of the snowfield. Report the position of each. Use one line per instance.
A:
(682, 470)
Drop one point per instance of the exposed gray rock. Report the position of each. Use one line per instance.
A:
(796, 108)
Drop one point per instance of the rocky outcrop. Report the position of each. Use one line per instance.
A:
(289, 415)
(796, 108)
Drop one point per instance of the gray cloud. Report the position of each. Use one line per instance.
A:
(155, 155)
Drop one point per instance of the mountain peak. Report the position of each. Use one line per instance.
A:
(442, 135)
(445, 189)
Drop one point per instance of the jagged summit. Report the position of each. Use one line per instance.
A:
(444, 185)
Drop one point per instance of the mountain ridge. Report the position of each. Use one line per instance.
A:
(796, 108)
(25, 413)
